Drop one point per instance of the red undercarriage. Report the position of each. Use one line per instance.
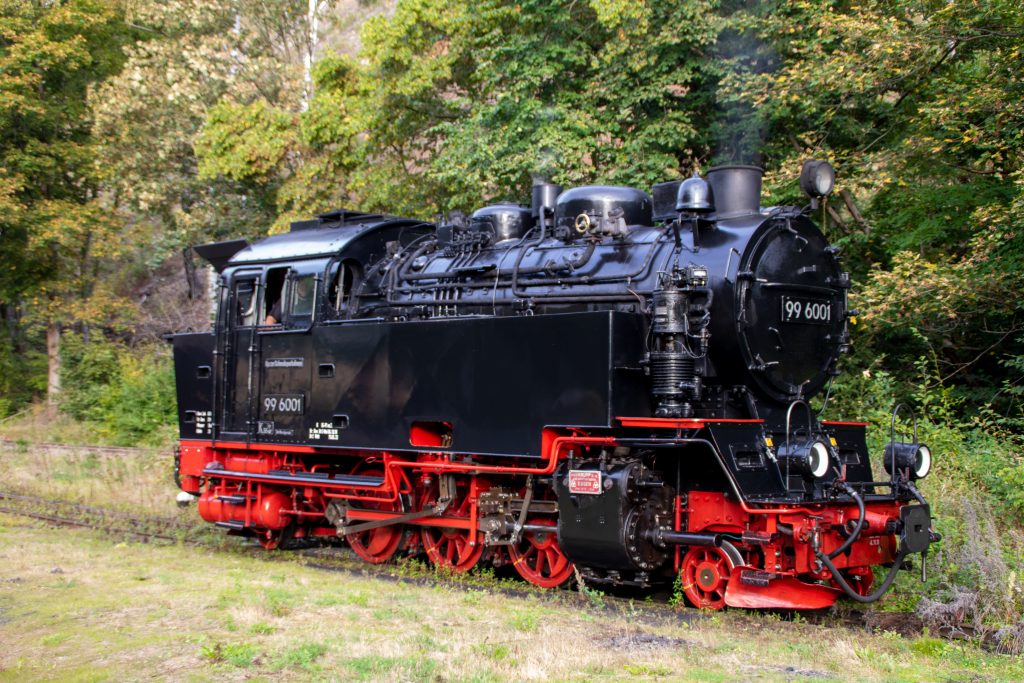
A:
(275, 492)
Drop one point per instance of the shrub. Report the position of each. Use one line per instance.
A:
(127, 393)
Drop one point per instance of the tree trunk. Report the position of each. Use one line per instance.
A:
(53, 356)
(313, 24)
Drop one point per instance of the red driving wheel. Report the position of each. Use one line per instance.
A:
(378, 545)
(538, 559)
(704, 575)
(449, 547)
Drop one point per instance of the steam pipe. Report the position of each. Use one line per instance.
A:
(517, 270)
(663, 537)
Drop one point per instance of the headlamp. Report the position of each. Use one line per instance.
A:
(914, 457)
(817, 178)
(807, 456)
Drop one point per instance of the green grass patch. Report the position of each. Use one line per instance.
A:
(394, 668)
(236, 654)
(301, 657)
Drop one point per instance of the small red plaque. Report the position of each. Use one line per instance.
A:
(585, 481)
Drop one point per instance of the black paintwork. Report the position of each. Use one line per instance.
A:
(387, 375)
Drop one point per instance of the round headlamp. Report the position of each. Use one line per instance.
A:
(817, 178)
(807, 456)
(914, 458)
(817, 460)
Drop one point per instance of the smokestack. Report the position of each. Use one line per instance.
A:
(543, 197)
(735, 190)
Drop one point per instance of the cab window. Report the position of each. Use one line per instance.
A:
(344, 278)
(245, 303)
(273, 302)
(303, 291)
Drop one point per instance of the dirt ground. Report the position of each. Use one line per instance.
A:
(75, 606)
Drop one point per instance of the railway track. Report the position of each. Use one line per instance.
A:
(66, 513)
(341, 560)
(63, 448)
(338, 560)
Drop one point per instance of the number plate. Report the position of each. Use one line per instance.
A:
(283, 404)
(804, 310)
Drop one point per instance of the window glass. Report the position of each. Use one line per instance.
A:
(302, 291)
(272, 299)
(245, 303)
(343, 277)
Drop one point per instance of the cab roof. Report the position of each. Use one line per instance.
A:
(326, 235)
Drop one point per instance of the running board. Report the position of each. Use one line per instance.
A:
(286, 477)
(232, 525)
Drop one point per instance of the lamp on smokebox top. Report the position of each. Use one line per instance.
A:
(915, 458)
(817, 178)
(807, 456)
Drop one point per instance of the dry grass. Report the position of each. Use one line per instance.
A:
(141, 481)
(44, 424)
(75, 607)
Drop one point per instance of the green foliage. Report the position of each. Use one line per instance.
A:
(237, 654)
(301, 657)
(127, 394)
(22, 377)
(56, 235)
(243, 142)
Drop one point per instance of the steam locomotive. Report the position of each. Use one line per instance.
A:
(606, 384)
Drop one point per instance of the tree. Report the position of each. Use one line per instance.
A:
(452, 105)
(55, 231)
(919, 103)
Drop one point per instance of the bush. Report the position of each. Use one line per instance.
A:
(976, 492)
(127, 393)
(22, 377)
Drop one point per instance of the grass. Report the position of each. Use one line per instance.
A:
(41, 424)
(202, 615)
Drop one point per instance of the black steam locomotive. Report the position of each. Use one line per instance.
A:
(607, 383)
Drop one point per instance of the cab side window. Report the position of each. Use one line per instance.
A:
(303, 291)
(245, 303)
(273, 302)
(344, 279)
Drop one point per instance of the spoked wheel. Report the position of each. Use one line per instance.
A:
(452, 548)
(538, 559)
(705, 575)
(859, 578)
(379, 545)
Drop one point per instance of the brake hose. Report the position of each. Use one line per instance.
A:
(897, 563)
(860, 521)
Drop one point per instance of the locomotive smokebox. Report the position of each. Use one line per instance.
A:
(735, 190)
